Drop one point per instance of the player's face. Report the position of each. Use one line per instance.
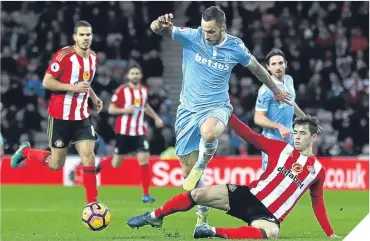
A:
(277, 66)
(134, 75)
(213, 32)
(303, 137)
(83, 37)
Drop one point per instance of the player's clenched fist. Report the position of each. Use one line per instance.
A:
(81, 87)
(165, 21)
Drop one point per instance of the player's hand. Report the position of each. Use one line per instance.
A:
(165, 21)
(284, 132)
(130, 109)
(334, 236)
(283, 96)
(99, 104)
(81, 87)
(158, 123)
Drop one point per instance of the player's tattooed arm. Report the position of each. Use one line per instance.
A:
(264, 76)
(163, 25)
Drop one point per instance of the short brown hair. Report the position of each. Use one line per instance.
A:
(311, 121)
(81, 23)
(214, 13)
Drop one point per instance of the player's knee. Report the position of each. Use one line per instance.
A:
(208, 136)
(272, 232)
(116, 164)
(55, 165)
(143, 159)
(198, 195)
(88, 159)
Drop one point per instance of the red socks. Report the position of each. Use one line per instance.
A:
(245, 232)
(180, 203)
(40, 156)
(89, 181)
(145, 178)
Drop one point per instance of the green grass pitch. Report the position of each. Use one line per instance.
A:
(54, 213)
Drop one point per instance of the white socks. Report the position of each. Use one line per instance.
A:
(202, 209)
(206, 152)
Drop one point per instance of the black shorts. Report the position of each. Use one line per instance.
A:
(245, 206)
(63, 132)
(129, 144)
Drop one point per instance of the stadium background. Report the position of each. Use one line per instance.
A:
(327, 47)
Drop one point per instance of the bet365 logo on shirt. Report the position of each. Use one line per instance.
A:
(212, 63)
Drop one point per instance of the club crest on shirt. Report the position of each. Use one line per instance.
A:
(297, 168)
(86, 75)
(137, 102)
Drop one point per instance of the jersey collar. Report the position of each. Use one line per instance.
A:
(223, 42)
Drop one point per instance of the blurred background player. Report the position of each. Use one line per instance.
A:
(69, 76)
(129, 103)
(265, 202)
(209, 57)
(276, 118)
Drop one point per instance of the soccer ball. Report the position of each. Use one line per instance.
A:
(96, 216)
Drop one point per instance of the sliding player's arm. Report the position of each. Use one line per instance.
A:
(259, 141)
(150, 112)
(318, 205)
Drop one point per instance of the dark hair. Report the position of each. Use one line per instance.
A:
(81, 23)
(135, 66)
(214, 13)
(313, 123)
(272, 53)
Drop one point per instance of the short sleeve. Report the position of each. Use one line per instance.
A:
(264, 99)
(184, 36)
(118, 98)
(1, 139)
(56, 66)
(244, 55)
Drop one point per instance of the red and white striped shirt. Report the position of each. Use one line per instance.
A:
(287, 177)
(130, 124)
(70, 68)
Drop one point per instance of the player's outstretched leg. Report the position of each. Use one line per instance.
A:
(210, 130)
(180, 203)
(26, 152)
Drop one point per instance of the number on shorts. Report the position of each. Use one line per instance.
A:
(92, 131)
(146, 145)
